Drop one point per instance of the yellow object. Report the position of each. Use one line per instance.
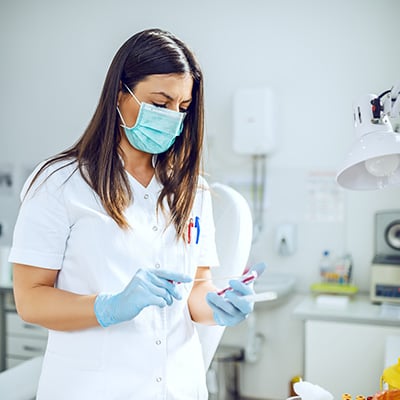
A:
(334, 288)
(346, 396)
(294, 380)
(390, 378)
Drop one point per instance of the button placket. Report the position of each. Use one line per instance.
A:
(159, 340)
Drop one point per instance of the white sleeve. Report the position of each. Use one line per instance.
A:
(42, 226)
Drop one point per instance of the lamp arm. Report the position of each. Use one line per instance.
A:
(395, 94)
(391, 102)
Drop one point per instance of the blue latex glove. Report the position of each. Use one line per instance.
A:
(147, 288)
(232, 307)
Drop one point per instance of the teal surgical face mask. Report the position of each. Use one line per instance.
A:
(155, 129)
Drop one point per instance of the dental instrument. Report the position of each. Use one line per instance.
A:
(252, 275)
(218, 278)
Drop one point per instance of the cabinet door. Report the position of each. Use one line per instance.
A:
(345, 357)
(17, 327)
(24, 347)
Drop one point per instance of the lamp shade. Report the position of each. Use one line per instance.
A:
(354, 173)
(374, 159)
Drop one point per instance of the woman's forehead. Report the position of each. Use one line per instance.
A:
(175, 85)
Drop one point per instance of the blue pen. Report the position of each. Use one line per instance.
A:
(197, 226)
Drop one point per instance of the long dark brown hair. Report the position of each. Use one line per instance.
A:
(149, 52)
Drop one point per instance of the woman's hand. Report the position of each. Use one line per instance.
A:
(147, 288)
(233, 307)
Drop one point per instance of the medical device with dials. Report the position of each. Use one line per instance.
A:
(385, 271)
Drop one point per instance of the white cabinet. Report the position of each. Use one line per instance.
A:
(19, 341)
(344, 347)
(23, 340)
(345, 357)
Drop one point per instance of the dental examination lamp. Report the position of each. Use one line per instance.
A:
(374, 159)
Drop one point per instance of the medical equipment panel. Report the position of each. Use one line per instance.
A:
(385, 270)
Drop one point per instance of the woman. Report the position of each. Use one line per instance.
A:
(114, 232)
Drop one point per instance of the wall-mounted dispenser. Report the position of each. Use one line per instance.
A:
(286, 239)
(253, 122)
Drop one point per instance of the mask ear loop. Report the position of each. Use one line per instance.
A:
(129, 90)
(118, 110)
(154, 160)
(122, 118)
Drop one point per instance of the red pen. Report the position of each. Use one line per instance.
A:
(190, 226)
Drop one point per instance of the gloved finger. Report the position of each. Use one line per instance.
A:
(225, 314)
(256, 269)
(173, 276)
(240, 302)
(171, 279)
(164, 289)
(152, 285)
(225, 319)
(164, 295)
(160, 301)
(235, 296)
(219, 303)
(240, 287)
(169, 285)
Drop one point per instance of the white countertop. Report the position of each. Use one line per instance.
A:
(358, 309)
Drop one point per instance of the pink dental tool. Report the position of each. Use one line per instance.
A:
(256, 271)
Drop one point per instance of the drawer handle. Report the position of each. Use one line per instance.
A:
(30, 326)
(32, 348)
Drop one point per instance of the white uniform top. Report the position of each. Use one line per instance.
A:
(157, 355)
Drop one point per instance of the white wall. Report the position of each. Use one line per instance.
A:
(317, 56)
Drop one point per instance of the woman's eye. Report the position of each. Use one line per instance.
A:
(164, 105)
(159, 105)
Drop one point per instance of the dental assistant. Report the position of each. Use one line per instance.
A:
(105, 248)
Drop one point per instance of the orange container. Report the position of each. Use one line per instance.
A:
(387, 395)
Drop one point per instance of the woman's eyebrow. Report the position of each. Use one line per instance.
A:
(170, 98)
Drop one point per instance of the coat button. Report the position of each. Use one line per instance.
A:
(146, 196)
(155, 228)
(158, 342)
(158, 379)
(157, 265)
